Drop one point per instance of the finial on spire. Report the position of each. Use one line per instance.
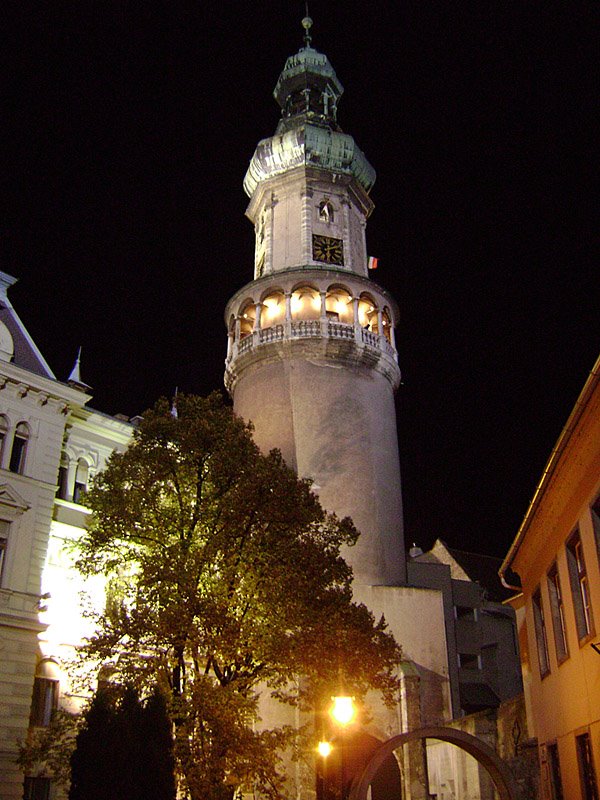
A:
(74, 378)
(307, 25)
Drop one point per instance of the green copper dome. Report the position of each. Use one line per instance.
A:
(308, 91)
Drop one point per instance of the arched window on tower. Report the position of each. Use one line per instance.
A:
(81, 480)
(19, 448)
(326, 212)
(3, 435)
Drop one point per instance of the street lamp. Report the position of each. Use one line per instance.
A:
(343, 712)
(324, 749)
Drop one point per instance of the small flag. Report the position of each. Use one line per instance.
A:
(373, 262)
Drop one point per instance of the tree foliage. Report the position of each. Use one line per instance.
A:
(124, 749)
(226, 573)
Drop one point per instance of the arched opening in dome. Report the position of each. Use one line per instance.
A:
(387, 324)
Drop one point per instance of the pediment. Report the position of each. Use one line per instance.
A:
(9, 497)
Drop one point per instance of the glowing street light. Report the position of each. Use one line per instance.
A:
(343, 710)
(324, 749)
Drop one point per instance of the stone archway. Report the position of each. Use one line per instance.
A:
(497, 769)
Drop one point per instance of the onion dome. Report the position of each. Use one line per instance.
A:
(308, 91)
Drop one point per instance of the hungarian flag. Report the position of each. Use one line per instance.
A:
(373, 262)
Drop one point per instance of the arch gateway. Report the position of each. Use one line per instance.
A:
(485, 755)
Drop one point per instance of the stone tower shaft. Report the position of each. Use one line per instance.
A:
(311, 356)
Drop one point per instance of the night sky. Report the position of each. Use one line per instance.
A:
(130, 126)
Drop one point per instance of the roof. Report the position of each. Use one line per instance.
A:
(17, 345)
(571, 425)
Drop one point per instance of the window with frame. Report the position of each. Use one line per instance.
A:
(557, 610)
(81, 480)
(556, 791)
(596, 522)
(580, 587)
(44, 701)
(3, 436)
(587, 773)
(540, 632)
(469, 661)
(36, 788)
(4, 531)
(19, 448)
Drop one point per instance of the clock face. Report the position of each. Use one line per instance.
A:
(328, 250)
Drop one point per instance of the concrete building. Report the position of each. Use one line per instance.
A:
(556, 556)
(51, 445)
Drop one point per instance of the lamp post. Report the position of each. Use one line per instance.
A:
(343, 712)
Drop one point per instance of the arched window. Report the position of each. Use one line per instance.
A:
(19, 448)
(81, 480)
(273, 310)
(326, 213)
(3, 435)
(306, 303)
(45, 693)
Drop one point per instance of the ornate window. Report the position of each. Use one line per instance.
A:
(19, 448)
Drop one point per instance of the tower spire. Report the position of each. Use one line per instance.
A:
(307, 25)
(74, 378)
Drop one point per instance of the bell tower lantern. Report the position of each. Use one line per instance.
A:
(311, 357)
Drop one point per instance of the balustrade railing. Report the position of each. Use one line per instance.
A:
(298, 329)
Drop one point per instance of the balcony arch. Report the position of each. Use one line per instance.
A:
(273, 309)
(247, 319)
(305, 303)
(367, 313)
(386, 323)
(339, 306)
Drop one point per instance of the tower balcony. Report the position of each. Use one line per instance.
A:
(349, 323)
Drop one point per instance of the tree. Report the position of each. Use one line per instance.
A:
(124, 749)
(226, 573)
